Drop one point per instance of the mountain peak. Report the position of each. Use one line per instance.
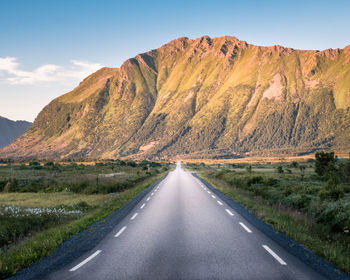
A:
(203, 97)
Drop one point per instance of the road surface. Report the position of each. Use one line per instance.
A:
(181, 230)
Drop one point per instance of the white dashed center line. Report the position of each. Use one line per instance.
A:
(152, 194)
(85, 261)
(213, 196)
(143, 205)
(229, 212)
(208, 192)
(245, 227)
(219, 202)
(267, 248)
(148, 198)
(120, 232)
(134, 216)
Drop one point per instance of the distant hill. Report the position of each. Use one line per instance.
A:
(203, 98)
(10, 130)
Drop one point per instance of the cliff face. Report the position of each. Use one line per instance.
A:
(10, 130)
(200, 98)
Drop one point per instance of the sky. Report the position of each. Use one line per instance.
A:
(48, 47)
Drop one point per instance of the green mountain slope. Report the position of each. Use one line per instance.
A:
(206, 97)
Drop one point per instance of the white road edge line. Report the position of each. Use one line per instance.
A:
(134, 216)
(143, 205)
(219, 202)
(272, 253)
(86, 260)
(245, 227)
(229, 212)
(213, 196)
(120, 232)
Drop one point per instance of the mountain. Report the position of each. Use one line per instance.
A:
(206, 97)
(10, 130)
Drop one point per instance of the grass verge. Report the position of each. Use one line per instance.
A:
(44, 243)
(294, 224)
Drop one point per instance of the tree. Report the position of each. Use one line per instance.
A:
(325, 163)
(280, 169)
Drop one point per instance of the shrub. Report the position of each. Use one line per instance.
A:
(280, 170)
(325, 163)
(236, 182)
(271, 181)
(131, 163)
(297, 201)
(79, 187)
(82, 205)
(2, 185)
(333, 193)
(255, 180)
(335, 214)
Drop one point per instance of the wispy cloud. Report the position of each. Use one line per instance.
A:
(77, 70)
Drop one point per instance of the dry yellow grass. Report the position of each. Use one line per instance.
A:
(259, 160)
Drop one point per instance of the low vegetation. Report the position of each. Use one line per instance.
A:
(50, 202)
(309, 201)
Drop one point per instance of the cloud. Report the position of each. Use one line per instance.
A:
(76, 71)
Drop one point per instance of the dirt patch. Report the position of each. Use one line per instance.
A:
(275, 89)
(312, 83)
(189, 96)
(148, 146)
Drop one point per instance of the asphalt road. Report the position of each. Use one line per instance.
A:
(181, 230)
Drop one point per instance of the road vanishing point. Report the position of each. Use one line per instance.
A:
(182, 230)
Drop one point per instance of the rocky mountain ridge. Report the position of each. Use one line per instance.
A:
(207, 97)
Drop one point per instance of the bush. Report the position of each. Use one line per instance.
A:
(333, 193)
(325, 163)
(79, 187)
(131, 163)
(335, 214)
(255, 180)
(34, 163)
(280, 170)
(2, 185)
(236, 182)
(297, 201)
(271, 181)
